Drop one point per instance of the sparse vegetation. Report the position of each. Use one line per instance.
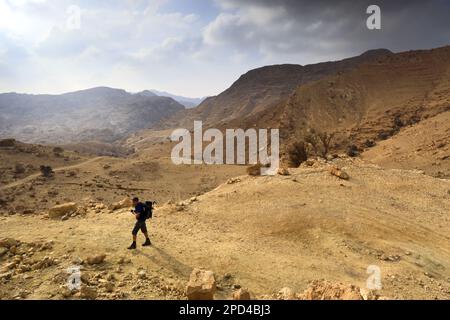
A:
(369, 143)
(319, 142)
(352, 151)
(297, 154)
(19, 168)
(6, 143)
(57, 151)
(46, 171)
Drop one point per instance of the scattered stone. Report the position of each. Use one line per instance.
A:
(335, 171)
(88, 293)
(123, 204)
(324, 290)
(201, 285)
(241, 294)
(283, 172)
(286, 294)
(62, 210)
(65, 292)
(142, 275)
(390, 258)
(193, 199)
(233, 181)
(3, 251)
(96, 259)
(6, 275)
(109, 287)
(8, 243)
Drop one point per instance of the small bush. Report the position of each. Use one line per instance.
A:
(369, 143)
(6, 143)
(297, 154)
(320, 142)
(352, 151)
(19, 168)
(398, 123)
(46, 171)
(57, 151)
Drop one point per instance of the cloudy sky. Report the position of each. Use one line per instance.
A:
(194, 47)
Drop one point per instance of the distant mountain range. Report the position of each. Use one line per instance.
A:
(187, 102)
(97, 114)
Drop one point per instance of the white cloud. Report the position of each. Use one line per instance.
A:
(139, 44)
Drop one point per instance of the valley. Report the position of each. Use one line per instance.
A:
(377, 199)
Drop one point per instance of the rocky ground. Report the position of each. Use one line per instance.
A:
(270, 237)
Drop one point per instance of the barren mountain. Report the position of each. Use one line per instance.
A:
(99, 114)
(262, 89)
(375, 100)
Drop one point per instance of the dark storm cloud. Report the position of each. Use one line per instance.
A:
(315, 27)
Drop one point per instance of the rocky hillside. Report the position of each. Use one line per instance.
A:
(99, 114)
(374, 101)
(362, 100)
(262, 89)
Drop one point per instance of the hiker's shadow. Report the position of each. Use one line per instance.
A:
(167, 261)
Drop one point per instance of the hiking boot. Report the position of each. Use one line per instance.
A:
(132, 247)
(147, 243)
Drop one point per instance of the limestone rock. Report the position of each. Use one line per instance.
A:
(98, 259)
(201, 285)
(62, 210)
(283, 172)
(286, 294)
(241, 294)
(337, 172)
(88, 293)
(8, 243)
(123, 204)
(324, 290)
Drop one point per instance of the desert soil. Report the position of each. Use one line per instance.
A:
(261, 233)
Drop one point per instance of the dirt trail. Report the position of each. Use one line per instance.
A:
(37, 175)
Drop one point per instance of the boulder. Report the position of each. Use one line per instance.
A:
(96, 259)
(201, 285)
(324, 290)
(283, 172)
(286, 294)
(62, 210)
(123, 204)
(337, 172)
(3, 251)
(88, 293)
(8, 243)
(142, 275)
(241, 294)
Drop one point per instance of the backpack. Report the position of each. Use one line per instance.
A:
(148, 209)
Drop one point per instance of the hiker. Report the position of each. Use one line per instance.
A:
(141, 212)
